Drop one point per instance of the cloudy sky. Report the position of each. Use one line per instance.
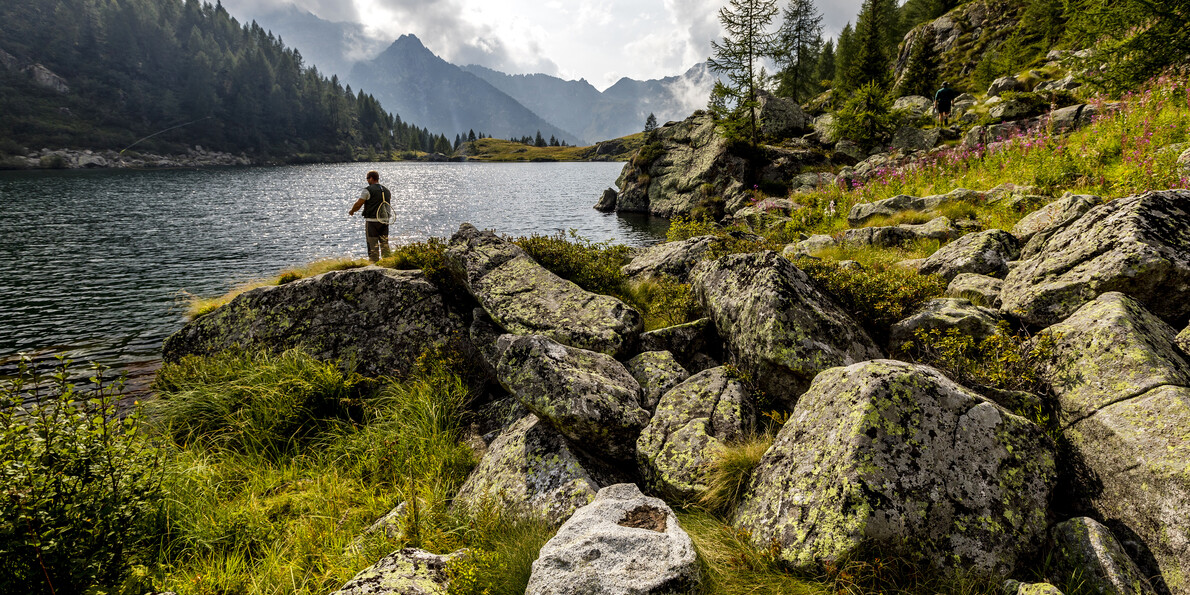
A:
(599, 40)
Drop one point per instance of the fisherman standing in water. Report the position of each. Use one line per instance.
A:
(375, 229)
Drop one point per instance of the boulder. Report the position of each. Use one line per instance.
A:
(692, 424)
(623, 543)
(607, 201)
(377, 319)
(1014, 109)
(939, 228)
(780, 117)
(1043, 222)
(780, 327)
(896, 458)
(981, 290)
(656, 372)
(525, 298)
(589, 397)
(809, 246)
(403, 572)
(485, 335)
(900, 203)
(1015, 587)
(1139, 245)
(684, 341)
(674, 259)
(943, 314)
(1183, 341)
(1183, 165)
(1066, 83)
(824, 127)
(1123, 392)
(985, 253)
(530, 469)
(1086, 550)
(851, 150)
(912, 138)
(915, 105)
(1005, 84)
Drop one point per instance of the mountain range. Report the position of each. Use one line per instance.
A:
(410, 80)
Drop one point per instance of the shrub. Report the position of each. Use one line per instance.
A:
(1004, 360)
(663, 301)
(867, 117)
(80, 485)
(594, 266)
(430, 258)
(647, 155)
(684, 228)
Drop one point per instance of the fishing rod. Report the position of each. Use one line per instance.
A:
(163, 131)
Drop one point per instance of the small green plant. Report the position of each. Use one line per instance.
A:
(663, 301)
(80, 485)
(730, 472)
(594, 266)
(647, 155)
(867, 118)
(684, 228)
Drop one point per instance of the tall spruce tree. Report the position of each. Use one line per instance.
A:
(796, 53)
(748, 41)
(825, 69)
(844, 58)
(921, 72)
(871, 62)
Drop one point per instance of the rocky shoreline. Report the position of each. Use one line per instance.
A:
(110, 159)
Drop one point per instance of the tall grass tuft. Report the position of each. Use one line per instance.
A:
(730, 472)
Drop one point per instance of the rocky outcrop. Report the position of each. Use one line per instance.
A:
(673, 259)
(403, 572)
(897, 458)
(530, 469)
(943, 314)
(1124, 392)
(1086, 550)
(691, 343)
(780, 327)
(607, 200)
(88, 159)
(983, 253)
(780, 117)
(692, 424)
(1036, 227)
(524, 298)
(970, 29)
(623, 543)
(589, 397)
(901, 203)
(912, 138)
(656, 372)
(914, 105)
(377, 319)
(981, 290)
(1139, 245)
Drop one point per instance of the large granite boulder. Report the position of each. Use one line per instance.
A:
(1086, 550)
(1139, 245)
(589, 397)
(524, 298)
(692, 424)
(403, 572)
(1124, 393)
(377, 319)
(914, 105)
(780, 327)
(981, 290)
(984, 253)
(687, 342)
(1005, 84)
(656, 372)
(894, 457)
(529, 468)
(912, 138)
(673, 259)
(1036, 227)
(891, 206)
(780, 117)
(943, 314)
(623, 543)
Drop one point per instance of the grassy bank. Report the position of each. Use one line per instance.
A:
(495, 149)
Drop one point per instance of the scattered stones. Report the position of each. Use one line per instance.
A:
(403, 572)
(1066, 83)
(524, 298)
(379, 319)
(896, 457)
(693, 422)
(938, 228)
(1087, 550)
(673, 259)
(656, 372)
(623, 543)
(781, 329)
(900, 203)
(981, 290)
(943, 314)
(984, 253)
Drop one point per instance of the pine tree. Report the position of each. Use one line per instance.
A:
(747, 42)
(844, 58)
(539, 141)
(921, 72)
(471, 135)
(798, 41)
(824, 71)
(871, 62)
(650, 122)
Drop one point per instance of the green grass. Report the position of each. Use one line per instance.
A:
(495, 149)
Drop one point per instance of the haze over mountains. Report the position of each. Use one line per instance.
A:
(410, 80)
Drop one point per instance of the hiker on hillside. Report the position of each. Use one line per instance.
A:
(375, 229)
(942, 100)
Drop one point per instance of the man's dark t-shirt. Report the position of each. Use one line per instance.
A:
(944, 97)
(376, 194)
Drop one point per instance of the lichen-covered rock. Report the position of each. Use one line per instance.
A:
(1085, 549)
(656, 372)
(623, 543)
(684, 341)
(916, 105)
(1015, 587)
(900, 203)
(673, 259)
(982, 290)
(1183, 341)
(403, 572)
(607, 200)
(589, 397)
(938, 228)
(780, 327)
(530, 469)
(377, 318)
(693, 423)
(985, 253)
(943, 314)
(780, 117)
(1123, 391)
(1005, 84)
(1036, 227)
(897, 458)
(912, 138)
(524, 298)
(1138, 245)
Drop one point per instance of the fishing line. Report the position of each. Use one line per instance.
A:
(163, 131)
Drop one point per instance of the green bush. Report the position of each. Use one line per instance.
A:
(79, 484)
(867, 118)
(647, 155)
(663, 301)
(594, 266)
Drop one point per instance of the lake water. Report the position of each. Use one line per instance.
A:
(100, 264)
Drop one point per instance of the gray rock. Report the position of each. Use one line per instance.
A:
(944, 314)
(901, 203)
(780, 117)
(589, 397)
(524, 298)
(810, 245)
(1015, 587)
(530, 469)
(1087, 550)
(780, 327)
(913, 264)
(850, 149)
(981, 290)
(1066, 83)
(1050, 218)
(824, 127)
(915, 105)
(656, 372)
(1012, 109)
(938, 228)
(607, 200)
(623, 543)
(1123, 391)
(912, 138)
(403, 572)
(898, 458)
(1183, 341)
(815, 180)
(379, 319)
(684, 341)
(674, 259)
(484, 335)
(985, 253)
(692, 424)
(1003, 85)
(1139, 245)
(1183, 165)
